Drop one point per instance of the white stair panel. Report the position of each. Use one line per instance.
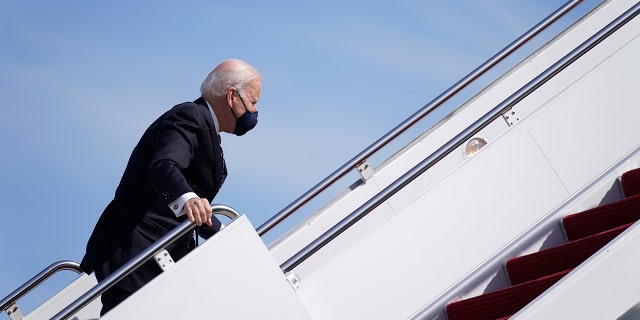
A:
(230, 276)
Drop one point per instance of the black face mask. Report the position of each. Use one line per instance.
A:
(247, 121)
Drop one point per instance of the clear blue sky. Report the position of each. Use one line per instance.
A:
(81, 80)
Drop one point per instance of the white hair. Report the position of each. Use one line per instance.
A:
(229, 73)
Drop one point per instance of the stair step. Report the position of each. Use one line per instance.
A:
(501, 303)
(532, 274)
(630, 182)
(566, 256)
(602, 218)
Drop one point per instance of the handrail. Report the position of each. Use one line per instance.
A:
(409, 122)
(459, 139)
(45, 274)
(137, 261)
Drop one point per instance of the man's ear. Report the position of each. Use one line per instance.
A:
(230, 95)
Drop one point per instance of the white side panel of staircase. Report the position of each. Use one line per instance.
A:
(433, 243)
(604, 287)
(65, 297)
(595, 121)
(230, 276)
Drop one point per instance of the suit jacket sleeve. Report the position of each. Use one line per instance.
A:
(176, 143)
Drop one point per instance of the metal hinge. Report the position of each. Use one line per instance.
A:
(163, 259)
(365, 170)
(511, 117)
(13, 311)
(293, 280)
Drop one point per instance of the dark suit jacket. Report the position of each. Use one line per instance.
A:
(179, 153)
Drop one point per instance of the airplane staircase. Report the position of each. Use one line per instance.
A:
(532, 274)
(529, 275)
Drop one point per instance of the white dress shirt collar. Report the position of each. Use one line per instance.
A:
(213, 115)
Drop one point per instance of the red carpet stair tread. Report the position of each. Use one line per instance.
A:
(532, 274)
(559, 258)
(630, 182)
(501, 303)
(602, 218)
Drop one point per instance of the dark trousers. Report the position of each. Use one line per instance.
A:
(136, 243)
(132, 282)
(145, 233)
(112, 298)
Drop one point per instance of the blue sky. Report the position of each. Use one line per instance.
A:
(80, 81)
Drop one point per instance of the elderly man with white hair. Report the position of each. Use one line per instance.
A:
(173, 174)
